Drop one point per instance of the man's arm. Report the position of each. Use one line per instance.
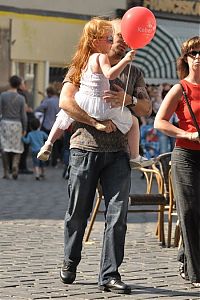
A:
(69, 105)
(143, 108)
(42, 107)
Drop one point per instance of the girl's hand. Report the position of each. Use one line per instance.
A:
(130, 55)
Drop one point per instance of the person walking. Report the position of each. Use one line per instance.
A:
(35, 138)
(186, 154)
(100, 156)
(13, 126)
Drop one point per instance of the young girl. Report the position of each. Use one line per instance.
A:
(93, 71)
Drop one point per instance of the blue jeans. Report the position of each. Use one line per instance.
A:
(85, 170)
(186, 185)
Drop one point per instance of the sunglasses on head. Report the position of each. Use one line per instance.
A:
(193, 53)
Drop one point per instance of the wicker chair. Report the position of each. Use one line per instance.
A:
(159, 171)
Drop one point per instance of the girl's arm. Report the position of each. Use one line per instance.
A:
(113, 72)
(165, 112)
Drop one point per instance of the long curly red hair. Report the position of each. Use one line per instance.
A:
(95, 29)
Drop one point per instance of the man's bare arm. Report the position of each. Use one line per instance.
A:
(68, 103)
(144, 104)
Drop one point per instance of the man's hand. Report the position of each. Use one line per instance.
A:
(116, 98)
(107, 126)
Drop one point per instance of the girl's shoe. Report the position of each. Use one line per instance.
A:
(45, 152)
(141, 161)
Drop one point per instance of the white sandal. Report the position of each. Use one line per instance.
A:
(45, 152)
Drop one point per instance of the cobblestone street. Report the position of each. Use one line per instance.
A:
(31, 243)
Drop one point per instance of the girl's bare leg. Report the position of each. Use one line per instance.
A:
(133, 142)
(54, 135)
(134, 138)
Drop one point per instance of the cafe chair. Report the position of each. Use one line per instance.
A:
(160, 199)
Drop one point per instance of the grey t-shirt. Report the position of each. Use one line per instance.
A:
(88, 138)
(12, 107)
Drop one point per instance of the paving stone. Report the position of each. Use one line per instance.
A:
(31, 243)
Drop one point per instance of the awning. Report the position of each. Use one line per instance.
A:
(158, 59)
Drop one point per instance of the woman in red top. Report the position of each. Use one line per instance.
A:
(186, 155)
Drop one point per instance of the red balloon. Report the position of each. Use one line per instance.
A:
(138, 27)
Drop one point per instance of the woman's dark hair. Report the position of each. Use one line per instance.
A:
(182, 64)
(15, 81)
(34, 124)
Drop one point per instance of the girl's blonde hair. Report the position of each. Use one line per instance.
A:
(93, 30)
(187, 46)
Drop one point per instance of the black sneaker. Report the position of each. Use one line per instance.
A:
(67, 274)
(116, 286)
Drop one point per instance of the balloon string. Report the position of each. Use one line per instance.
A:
(126, 87)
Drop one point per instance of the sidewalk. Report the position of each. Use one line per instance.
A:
(31, 243)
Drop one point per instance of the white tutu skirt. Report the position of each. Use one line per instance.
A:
(63, 121)
(122, 119)
(97, 108)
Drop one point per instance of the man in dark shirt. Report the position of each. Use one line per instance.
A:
(99, 156)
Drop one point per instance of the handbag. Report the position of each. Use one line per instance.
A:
(190, 109)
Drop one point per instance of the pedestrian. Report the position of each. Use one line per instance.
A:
(95, 156)
(93, 59)
(50, 108)
(13, 126)
(35, 138)
(186, 154)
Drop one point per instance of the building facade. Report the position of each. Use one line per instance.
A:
(38, 38)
